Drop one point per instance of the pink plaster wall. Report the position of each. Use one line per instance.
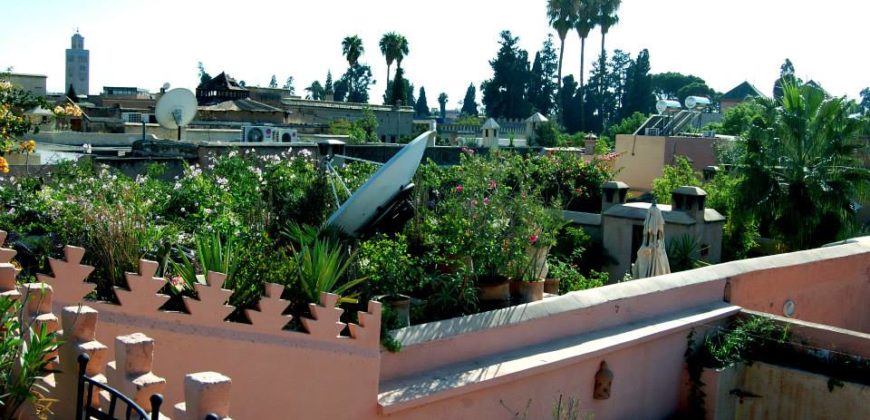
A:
(832, 291)
(647, 380)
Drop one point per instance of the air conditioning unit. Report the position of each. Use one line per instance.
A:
(257, 134)
(652, 132)
(286, 135)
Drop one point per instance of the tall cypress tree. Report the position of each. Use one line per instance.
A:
(505, 94)
(422, 107)
(469, 103)
(638, 95)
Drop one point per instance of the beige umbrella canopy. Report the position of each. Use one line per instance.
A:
(652, 257)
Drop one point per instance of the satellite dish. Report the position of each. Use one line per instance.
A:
(165, 86)
(379, 194)
(176, 109)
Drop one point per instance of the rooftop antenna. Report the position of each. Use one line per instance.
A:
(383, 201)
(176, 109)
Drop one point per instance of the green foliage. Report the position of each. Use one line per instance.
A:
(390, 321)
(504, 96)
(363, 130)
(570, 278)
(24, 358)
(355, 84)
(203, 75)
(273, 82)
(546, 134)
(684, 253)
(742, 340)
(738, 119)
(315, 91)
(542, 86)
(638, 96)
(674, 176)
(421, 109)
(321, 266)
(469, 103)
(628, 125)
(800, 168)
(667, 85)
(442, 105)
(388, 265)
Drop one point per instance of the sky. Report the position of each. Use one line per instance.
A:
(147, 43)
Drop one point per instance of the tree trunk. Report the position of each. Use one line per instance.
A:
(582, 92)
(388, 74)
(559, 87)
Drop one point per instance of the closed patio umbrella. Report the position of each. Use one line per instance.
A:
(652, 257)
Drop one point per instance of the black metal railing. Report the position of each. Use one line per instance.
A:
(85, 409)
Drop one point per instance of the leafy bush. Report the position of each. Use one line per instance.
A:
(674, 176)
(570, 280)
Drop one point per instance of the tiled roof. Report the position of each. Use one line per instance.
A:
(741, 92)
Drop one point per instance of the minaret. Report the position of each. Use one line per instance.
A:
(78, 63)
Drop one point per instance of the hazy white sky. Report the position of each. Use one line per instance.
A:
(146, 43)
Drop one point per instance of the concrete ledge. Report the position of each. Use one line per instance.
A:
(439, 384)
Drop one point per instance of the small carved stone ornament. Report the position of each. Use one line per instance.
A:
(603, 381)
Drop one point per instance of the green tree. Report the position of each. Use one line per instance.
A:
(273, 83)
(203, 75)
(396, 94)
(738, 119)
(638, 95)
(394, 47)
(357, 80)
(442, 105)
(542, 87)
(786, 75)
(584, 23)
(667, 85)
(607, 18)
(352, 48)
(288, 85)
(328, 88)
(546, 134)
(315, 91)
(469, 103)
(561, 14)
(421, 109)
(680, 174)
(865, 100)
(800, 170)
(569, 103)
(628, 125)
(340, 90)
(504, 96)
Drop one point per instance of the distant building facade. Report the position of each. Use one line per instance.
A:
(33, 83)
(393, 123)
(78, 62)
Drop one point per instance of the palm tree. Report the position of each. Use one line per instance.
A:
(583, 24)
(607, 17)
(442, 103)
(562, 14)
(352, 48)
(800, 171)
(394, 47)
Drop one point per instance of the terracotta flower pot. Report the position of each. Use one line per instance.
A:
(400, 304)
(551, 286)
(494, 291)
(529, 291)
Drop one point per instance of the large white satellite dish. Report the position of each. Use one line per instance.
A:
(377, 194)
(176, 109)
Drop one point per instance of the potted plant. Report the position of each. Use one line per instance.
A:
(391, 272)
(536, 227)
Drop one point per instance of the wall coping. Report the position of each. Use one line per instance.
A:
(440, 330)
(495, 369)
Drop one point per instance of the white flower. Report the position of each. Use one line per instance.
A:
(207, 211)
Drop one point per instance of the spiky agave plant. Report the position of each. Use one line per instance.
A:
(321, 266)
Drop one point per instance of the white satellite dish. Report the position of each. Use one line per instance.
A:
(176, 109)
(377, 194)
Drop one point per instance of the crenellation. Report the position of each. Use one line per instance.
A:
(131, 371)
(142, 296)
(204, 393)
(211, 306)
(270, 315)
(326, 317)
(68, 276)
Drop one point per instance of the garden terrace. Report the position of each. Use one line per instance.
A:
(480, 365)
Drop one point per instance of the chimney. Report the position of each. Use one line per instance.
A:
(613, 193)
(690, 200)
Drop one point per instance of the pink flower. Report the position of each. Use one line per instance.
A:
(492, 184)
(533, 239)
(485, 201)
(459, 188)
